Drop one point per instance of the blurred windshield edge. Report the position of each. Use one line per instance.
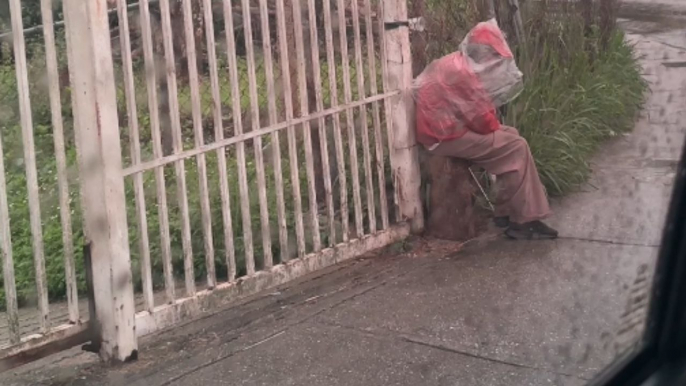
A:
(659, 358)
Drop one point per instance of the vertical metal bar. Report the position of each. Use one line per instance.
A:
(206, 215)
(292, 147)
(177, 140)
(132, 112)
(240, 147)
(323, 143)
(378, 138)
(7, 260)
(230, 254)
(307, 134)
(404, 157)
(347, 98)
(257, 144)
(274, 137)
(387, 107)
(338, 138)
(366, 158)
(160, 184)
(30, 161)
(60, 157)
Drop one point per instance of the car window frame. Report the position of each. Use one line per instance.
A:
(659, 358)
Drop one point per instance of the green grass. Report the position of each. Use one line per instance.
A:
(575, 99)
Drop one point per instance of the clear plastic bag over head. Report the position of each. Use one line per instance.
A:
(492, 61)
(461, 91)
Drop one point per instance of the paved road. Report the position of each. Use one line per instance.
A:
(496, 313)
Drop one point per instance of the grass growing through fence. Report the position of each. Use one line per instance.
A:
(54, 255)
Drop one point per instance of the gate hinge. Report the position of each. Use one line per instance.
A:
(414, 24)
(389, 25)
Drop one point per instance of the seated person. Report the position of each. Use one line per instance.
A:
(456, 118)
(521, 199)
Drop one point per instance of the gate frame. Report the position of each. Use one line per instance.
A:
(397, 97)
(114, 325)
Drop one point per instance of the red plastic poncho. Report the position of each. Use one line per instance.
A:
(492, 61)
(460, 91)
(450, 100)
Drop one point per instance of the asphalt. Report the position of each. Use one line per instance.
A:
(494, 312)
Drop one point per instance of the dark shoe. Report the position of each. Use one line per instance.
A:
(534, 230)
(502, 222)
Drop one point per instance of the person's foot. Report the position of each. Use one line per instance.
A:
(502, 222)
(534, 230)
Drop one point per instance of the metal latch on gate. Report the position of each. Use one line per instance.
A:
(414, 24)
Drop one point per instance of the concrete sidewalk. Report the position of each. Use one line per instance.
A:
(495, 312)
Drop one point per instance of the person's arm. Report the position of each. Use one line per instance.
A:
(485, 123)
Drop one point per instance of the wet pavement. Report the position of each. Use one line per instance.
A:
(495, 313)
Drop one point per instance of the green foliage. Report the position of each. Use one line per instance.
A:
(17, 193)
(576, 97)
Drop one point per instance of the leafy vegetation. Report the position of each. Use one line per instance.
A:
(575, 99)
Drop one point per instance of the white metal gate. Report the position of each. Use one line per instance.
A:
(234, 145)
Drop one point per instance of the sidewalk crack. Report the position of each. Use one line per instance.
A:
(390, 334)
(608, 241)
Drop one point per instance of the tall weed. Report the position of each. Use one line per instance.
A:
(575, 98)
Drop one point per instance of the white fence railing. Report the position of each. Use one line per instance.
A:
(200, 181)
(19, 116)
